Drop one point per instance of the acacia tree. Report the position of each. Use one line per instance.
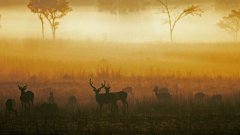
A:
(54, 10)
(173, 19)
(231, 23)
(37, 6)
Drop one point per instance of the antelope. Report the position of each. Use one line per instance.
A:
(102, 99)
(162, 94)
(121, 95)
(27, 97)
(10, 107)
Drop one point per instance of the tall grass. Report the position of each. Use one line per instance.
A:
(67, 66)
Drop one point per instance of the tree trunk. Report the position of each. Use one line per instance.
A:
(43, 36)
(42, 23)
(53, 29)
(171, 35)
(53, 32)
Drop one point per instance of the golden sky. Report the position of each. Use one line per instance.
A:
(88, 23)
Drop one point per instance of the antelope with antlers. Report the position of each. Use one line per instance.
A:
(102, 99)
(120, 95)
(27, 97)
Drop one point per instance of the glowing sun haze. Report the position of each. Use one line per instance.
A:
(86, 22)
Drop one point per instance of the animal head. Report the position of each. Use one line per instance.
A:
(22, 88)
(96, 90)
(107, 88)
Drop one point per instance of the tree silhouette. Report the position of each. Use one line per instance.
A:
(54, 10)
(173, 19)
(37, 6)
(231, 23)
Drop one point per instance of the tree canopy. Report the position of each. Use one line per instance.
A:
(174, 17)
(52, 10)
(231, 23)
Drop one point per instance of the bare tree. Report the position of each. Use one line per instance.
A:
(173, 19)
(231, 23)
(54, 10)
(37, 6)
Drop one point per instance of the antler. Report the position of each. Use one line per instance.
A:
(102, 85)
(91, 84)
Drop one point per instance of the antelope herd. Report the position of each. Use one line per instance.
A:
(107, 98)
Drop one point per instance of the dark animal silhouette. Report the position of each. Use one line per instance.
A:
(162, 95)
(10, 107)
(104, 99)
(121, 95)
(27, 97)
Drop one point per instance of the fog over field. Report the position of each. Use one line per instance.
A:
(70, 67)
(86, 22)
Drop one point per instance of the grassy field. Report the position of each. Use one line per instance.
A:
(65, 67)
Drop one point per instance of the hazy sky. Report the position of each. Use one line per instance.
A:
(89, 23)
(220, 4)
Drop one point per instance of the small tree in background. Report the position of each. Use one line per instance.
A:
(37, 6)
(54, 10)
(231, 23)
(173, 19)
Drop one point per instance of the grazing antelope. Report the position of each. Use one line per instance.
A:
(162, 94)
(102, 99)
(10, 107)
(73, 104)
(121, 95)
(27, 97)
